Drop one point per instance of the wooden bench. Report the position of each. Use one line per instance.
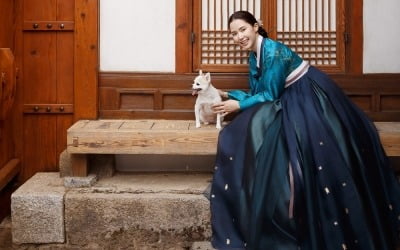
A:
(175, 137)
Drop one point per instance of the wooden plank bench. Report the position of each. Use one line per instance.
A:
(175, 137)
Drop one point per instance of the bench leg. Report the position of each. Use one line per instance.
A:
(79, 165)
(102, 165)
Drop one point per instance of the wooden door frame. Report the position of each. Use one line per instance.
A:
(354, 31)
(86, 59)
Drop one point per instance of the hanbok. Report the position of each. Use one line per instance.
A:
(300, 166)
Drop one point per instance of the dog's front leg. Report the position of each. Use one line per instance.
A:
(197, 115)
(218, 126)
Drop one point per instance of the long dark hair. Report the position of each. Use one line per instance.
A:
(248, 18)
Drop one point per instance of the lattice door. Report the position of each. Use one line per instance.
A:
(215, 50)
(313, 28)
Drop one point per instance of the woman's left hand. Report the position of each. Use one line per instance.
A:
(226, 107)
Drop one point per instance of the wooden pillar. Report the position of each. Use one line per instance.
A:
(86, 59)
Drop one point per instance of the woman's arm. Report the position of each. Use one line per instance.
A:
(268, 85)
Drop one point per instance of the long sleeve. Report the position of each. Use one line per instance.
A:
(267, 82)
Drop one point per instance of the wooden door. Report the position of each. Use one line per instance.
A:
(46, 54)
(9, 165)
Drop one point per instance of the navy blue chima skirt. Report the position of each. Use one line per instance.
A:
(306, 171)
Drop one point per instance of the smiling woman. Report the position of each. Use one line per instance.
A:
(300, 166)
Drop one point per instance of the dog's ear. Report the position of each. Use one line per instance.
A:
(200, 72)
(208, 76)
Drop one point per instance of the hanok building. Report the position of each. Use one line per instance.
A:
(129, 65)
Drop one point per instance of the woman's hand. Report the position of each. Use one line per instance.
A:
(226, 107)
(223, 94)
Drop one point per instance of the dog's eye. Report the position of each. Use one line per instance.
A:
(197, 83)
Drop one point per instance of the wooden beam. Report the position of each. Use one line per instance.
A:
(86, 59)
(389, 133)
(354, 49)
(179, 137)
(79, 164)
(8, 172)
(183, 44)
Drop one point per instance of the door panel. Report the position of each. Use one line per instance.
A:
(65, 10)
(39, 9)
(39, 67)
(39, 144)
(48, 82)
(65, 73)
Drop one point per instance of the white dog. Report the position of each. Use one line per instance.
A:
(207, 95)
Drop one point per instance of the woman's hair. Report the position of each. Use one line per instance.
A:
(248, 18)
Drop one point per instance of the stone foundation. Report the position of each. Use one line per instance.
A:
(126, 211)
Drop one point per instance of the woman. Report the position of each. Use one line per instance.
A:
(300, 166)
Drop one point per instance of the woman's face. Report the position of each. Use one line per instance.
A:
(244, 34)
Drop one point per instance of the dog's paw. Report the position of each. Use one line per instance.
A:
(218, 126)
(198, 125)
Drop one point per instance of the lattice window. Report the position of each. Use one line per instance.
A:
(313, 28)
(216, 50)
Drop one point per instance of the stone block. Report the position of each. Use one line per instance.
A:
(65, 164)
(37, 210)
(140, 212)
(202, 245)
(78, 182)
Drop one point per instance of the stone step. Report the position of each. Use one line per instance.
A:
(202, 245)
(126, 211)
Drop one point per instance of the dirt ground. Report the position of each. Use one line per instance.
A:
(5, 234)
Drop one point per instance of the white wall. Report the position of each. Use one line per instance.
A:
(137, 35)
(381, 36)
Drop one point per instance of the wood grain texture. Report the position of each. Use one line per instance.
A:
(168, 96)
(45, 94)
(40, 145)
(183, 29)
(354, 27)
(8, 172)
(79, 163)
(389, 133)
(7, 24)
(86, 59)
(179, 137)
(8, 126)
(7, 81)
